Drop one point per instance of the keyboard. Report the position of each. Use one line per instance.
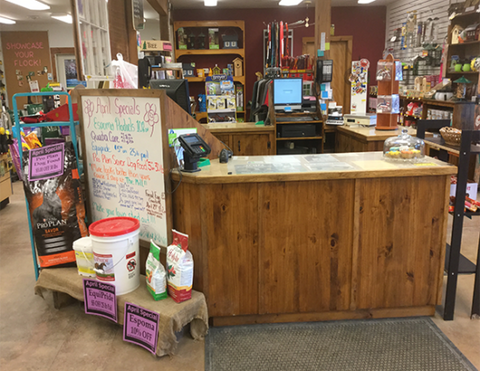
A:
(296, 119)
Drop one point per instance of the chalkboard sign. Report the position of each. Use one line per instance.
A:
(125, 158)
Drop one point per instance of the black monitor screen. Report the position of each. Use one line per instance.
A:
(176, 90)
(190, 139)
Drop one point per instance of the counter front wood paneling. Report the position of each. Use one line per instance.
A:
(318, 245)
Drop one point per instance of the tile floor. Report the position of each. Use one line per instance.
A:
(35, 336)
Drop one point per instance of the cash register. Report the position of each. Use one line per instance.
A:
(194, 148)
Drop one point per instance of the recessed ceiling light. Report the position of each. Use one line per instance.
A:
(210, 2)
(30, 4)
(64, 18)
(289, 2)
(7, 20)
(365, 1)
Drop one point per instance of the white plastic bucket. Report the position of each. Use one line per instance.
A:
(84, 256)
(116, 252)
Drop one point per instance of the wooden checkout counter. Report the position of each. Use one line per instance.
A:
(310, 238)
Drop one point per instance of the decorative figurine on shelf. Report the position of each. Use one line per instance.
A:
(216, 70)
(191, 40)
(461, 87)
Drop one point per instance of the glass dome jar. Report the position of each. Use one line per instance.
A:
(404, 148)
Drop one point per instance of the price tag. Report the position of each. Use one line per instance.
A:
(100, 299)
(140, 327)
(46, 162)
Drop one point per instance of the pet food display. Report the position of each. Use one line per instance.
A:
(179, 268)
(54, 194)
(156, 275)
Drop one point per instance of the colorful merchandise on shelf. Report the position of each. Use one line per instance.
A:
(213, 38)
(404, 148)
(179, 268)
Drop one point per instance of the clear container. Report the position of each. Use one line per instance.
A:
(384, 71)
(384, 104)
(404, 148)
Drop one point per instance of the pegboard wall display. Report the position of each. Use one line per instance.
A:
(416, 32)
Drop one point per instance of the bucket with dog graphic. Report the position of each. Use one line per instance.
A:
(116, 252)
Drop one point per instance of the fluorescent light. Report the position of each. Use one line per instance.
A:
(210, 3)
(289, 2)
(30, 4)
(7, 21)
(64, 18)
(365, 1)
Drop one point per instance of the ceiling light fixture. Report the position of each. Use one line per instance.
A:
(30, 4)
(289, 2)
(64, 18)
(365, 1)
(210, 2)
(7, 20)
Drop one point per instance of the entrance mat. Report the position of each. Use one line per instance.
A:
(414, 344)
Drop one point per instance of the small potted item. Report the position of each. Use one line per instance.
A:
(404, 148)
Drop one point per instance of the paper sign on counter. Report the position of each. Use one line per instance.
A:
(100, 299)
(140, 326)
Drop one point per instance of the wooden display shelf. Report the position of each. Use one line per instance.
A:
(205, 24)
(300, 138)
(465, 43)
(462, 73)
(181, 52)
(240, 79)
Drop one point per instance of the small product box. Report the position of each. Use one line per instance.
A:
(472, 188)
(213, 41)
(84, 256)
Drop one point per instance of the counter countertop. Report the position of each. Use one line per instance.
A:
(252, 169)
(237, 127)
(371, 134)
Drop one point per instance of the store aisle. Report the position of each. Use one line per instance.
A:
(35, 336)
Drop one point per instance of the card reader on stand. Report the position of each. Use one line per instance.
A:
(194, 148)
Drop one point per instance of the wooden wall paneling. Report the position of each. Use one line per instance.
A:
(323, 23)
(250, 144)
(25, 51)
(306, 217)
(233, 252)
(187, 219)
(56, 51)
(346, 143)
(119, 28)
(394, 267)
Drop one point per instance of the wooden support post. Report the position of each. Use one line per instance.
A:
(323, 23)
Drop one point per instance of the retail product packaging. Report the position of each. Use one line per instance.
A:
(179, 268)
(84, 256)
(213, 40)
(472, 188)
(156, 274)
(54, 193)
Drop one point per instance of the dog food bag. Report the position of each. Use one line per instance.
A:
(179, 268)
(156, 275)
(53, 190)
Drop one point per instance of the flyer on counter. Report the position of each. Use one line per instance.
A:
(140, 326)
(100, 299)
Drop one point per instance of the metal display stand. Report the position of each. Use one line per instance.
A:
(455, 262)
(17, 135)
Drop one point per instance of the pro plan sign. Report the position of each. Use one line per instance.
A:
(140, 327)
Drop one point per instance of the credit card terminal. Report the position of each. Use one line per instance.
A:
(194, 148)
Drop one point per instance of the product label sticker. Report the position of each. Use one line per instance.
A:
(140, 326)
(100, 299)
(46, 162)
(104, 267)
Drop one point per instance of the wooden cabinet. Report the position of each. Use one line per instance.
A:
(245, 139)
(251, 144)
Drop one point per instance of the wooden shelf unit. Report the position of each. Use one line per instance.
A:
(190, 55)
(463, 50)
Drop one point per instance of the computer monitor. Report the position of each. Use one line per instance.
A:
(176, 90)
(288, 93)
